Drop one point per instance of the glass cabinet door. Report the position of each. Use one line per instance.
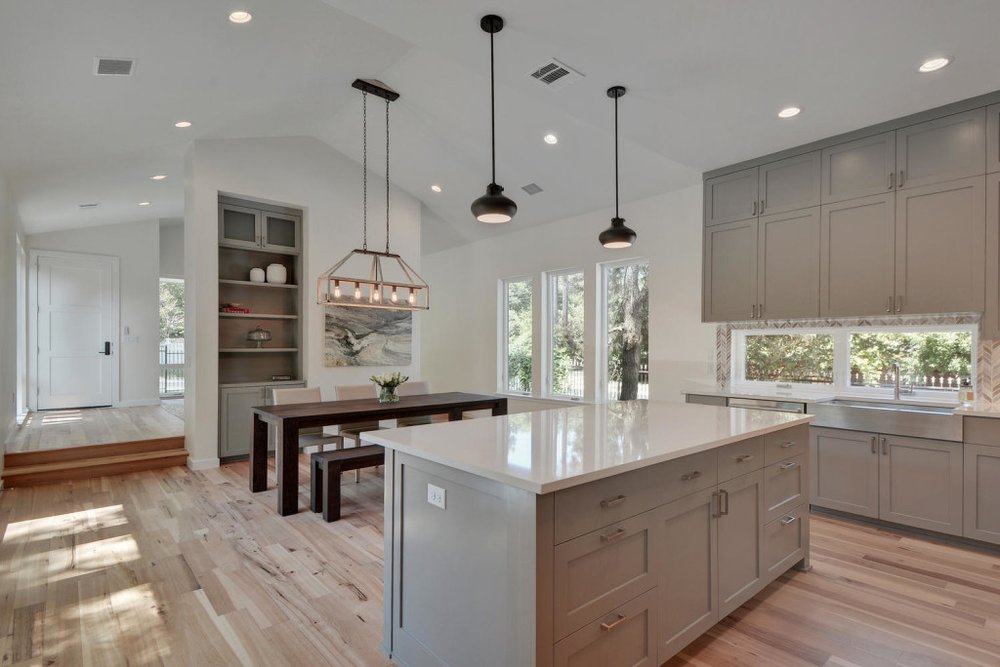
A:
(239, 227)
(281, 232)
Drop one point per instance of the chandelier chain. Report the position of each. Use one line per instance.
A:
(387, 175)
(364, 169)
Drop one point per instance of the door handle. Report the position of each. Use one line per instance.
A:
(612, 502)
(885, 448)
(788, 466)
(760, 310)
(107, 348)
(789, 520)
(892, 179)
(753, 311)
(611, 626)
(617, 535)
(762, 202)
(899, 303)
(723, 502)
(874, 448)
(888, 304)
(754, 207)
(902, 177)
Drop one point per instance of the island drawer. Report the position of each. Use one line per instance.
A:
(582, 509)
(626, 637)
(785, 541)
(740, 458)
(598, 572)
(785, 486)
(982, 431)
(785, 444)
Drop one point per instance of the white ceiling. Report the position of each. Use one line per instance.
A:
(705, 79)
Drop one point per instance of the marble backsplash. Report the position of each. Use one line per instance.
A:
(987, 355)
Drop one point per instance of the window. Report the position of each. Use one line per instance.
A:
(933, 361)
(626, 329)
(171, 337)
(517, 341)
(565, 334)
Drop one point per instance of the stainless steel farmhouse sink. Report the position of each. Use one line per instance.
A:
(907, 419)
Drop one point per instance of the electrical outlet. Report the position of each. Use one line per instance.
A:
(435, 495)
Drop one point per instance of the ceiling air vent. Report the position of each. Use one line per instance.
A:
(531, 188)
(92, 205)
(114, 66)
(555, 74)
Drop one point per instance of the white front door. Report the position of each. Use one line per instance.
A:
(77, 330)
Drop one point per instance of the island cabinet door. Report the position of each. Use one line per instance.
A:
(623, 637)
(597, 572)
(740, 526)
(688, 565)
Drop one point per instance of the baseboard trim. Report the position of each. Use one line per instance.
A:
(202, 464)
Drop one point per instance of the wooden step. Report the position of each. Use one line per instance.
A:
(49, 466)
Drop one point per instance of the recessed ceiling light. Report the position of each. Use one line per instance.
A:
(934, 64)
(158, 177)
(551, 139)
(144, 203)
(436, 188)
(182, 123)
(241, 17)
(789, 112)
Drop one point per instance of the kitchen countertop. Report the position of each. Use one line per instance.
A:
(979, 410)
(762, 394)
(549, 450)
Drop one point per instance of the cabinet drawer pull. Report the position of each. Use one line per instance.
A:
(744, 458)
(874, 449)
(789, 520)
(617, 535)
(688, 476)
(885, 448)
(788, 445)
(612, 502)
(723, 502)
(614, 624)
(788, 466)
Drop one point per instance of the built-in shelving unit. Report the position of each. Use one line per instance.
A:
(256, 350)
(256, 316)
(250, 283)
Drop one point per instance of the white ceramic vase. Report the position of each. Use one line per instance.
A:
(257, 275)
(277, 274)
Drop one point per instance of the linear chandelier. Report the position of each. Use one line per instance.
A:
(370, 278)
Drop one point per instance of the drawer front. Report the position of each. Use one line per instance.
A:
(623, 638)
(582, 509)
(598, 572)
(784, 541)
(982, 431)
(785, 444)
(740, 458)
(785, 486)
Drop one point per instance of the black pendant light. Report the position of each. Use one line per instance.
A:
(493, 207)
(617, 235)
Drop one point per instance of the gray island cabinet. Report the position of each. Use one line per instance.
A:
(600, 535)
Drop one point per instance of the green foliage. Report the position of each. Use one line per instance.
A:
(519, 336)
(918, 354)
(803, 358)
(389, 379)
(617, 313)
(567, 329)
(171, 309)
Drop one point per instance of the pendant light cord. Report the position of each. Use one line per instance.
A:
(616, 157)
(387, 175)
(493, 113)
(364, 169)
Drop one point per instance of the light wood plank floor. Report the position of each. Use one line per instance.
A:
(60, 429)
(175, 567)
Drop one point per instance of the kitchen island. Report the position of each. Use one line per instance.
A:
(592, 535)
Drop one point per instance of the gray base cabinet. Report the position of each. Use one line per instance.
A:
(236, 416)
(982, 479)
(741, 532)
(845, 471)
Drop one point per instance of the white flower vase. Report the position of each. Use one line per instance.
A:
(277, 274)
(257, 275)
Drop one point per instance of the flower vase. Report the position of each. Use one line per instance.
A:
(387, 395)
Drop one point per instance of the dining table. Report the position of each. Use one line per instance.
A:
(288, 419)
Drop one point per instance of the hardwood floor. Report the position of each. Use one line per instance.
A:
(58, 429)
(175, 567)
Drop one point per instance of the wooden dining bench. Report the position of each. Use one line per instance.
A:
(326, 468)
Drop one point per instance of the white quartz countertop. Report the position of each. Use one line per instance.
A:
(761, 394)
(979, 410)
(549, 450)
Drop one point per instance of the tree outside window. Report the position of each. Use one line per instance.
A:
(566, 305)
(519, 338)
(627, 302)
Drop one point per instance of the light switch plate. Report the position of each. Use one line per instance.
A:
(436, 496)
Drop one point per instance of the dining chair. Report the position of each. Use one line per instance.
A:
(416, 388)
(348, 392)
(308, 437)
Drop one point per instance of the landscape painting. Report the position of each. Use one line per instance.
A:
(367, 337)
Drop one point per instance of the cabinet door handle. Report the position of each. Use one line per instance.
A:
(612, 502)
(902, 177)
(744, 458)
(789, 520)
(760, 310)
(885, 448)
(614, 624)
(892, 180)
(716, 505)
(788, 466)
(874, 449)
(723, 502)
(787, 445)
(888, 304)
(754, 207)
(611, 537)
(899, 303)
(688, 476)
(753, 311)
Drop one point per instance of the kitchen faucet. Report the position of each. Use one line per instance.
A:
(896, 388)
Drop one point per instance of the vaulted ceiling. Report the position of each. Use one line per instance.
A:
(705, 78)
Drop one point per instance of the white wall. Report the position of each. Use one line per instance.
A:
(9, 231)
(302, 173)
(172, 249)
(137, 244)
(460, 330)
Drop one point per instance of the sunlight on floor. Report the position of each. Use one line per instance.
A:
(62, 417)
(48, 527)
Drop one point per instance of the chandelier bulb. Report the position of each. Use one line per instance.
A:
(376, 293)
(336, 289)
(395, 298)
(357, 291)
(413, 297)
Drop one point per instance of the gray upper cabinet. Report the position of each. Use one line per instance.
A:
(940, 247)
(991, 319)
(920, 483)
(859, 168)
(789, 184)
(857, 257)
(256, 229)
(730, 266)
(788, 274)
(239, 227)
(940, 150)
(731, 197)
(280, 232)
(993, 138)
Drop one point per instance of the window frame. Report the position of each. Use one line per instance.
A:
(604, 269)
(548, 304)
(503, 334)
(842, 360)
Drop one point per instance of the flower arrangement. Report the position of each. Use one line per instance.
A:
(387, 386)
